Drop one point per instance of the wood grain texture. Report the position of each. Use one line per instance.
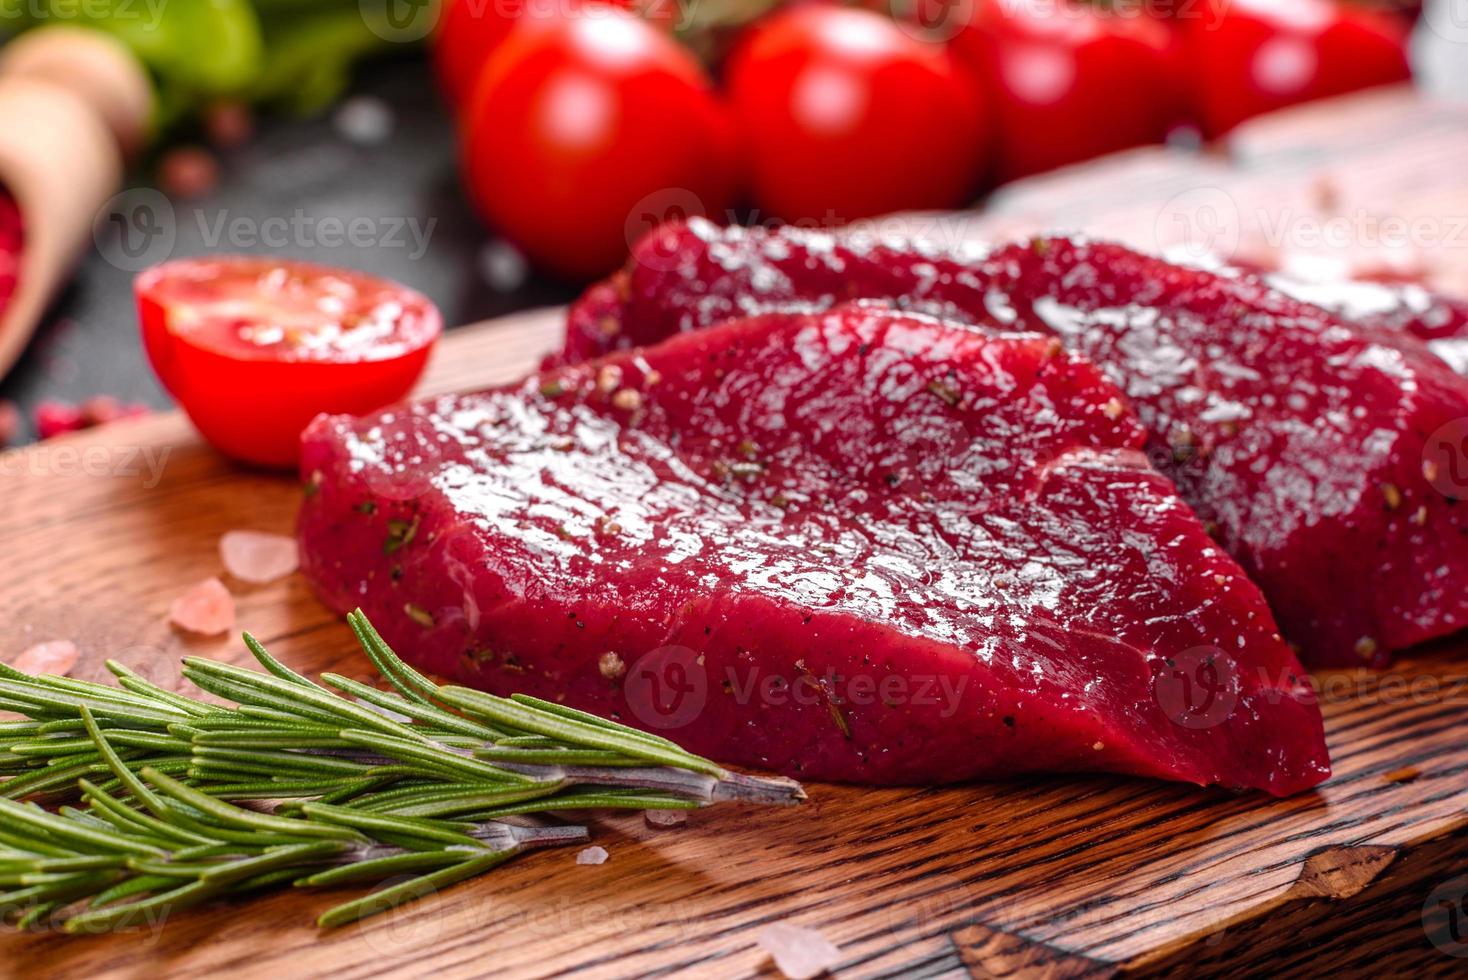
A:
(1063, 877)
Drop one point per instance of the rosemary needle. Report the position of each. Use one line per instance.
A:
(348, 785)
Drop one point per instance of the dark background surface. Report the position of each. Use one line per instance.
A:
(307, 175)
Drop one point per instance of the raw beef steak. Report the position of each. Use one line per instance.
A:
(1314, 447)
(857, 546)
(1441, 321)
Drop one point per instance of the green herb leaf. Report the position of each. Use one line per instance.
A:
(349, 784)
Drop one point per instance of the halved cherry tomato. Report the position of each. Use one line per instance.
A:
(1249, 57)
(583, 125)
(1073, 80)
(254, 348)
(848, 115)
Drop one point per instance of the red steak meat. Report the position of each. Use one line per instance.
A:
(857, 545)
(1316, 448)
(1386, 303)
(1441, 321)
(685, 276)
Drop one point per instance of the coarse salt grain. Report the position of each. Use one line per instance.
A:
(206, 609)
(56, 657)
(258, 557)
(503, 266)
(611, 665)
(799, 953)
(665, 818)
(365, 120)
(592, 855)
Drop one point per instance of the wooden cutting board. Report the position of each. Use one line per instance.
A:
(1042, 878)
(1062, 877)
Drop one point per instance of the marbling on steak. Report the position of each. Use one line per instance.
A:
(875, 547)
(1303, 439)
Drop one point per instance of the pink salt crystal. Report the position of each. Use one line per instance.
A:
(99, 410)
(58, 418)
(206, 609)
(799, 953)
(592, 855)
(56, 657)
(102, 409)
(187, 172)
(258, 557)
(665, 818)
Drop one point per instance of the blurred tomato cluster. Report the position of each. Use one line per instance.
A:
(586, 121)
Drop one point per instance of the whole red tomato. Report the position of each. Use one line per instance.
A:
(469, 31)
(845, 115)
(585, 131)
(1073, 80)
(1250, 57)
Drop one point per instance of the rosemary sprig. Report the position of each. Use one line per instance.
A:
(112, 866)
(346, 784)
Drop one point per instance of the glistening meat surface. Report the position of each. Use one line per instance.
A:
(856, 545)
(1407, 307)
(1325, 453)
(1380, 306)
